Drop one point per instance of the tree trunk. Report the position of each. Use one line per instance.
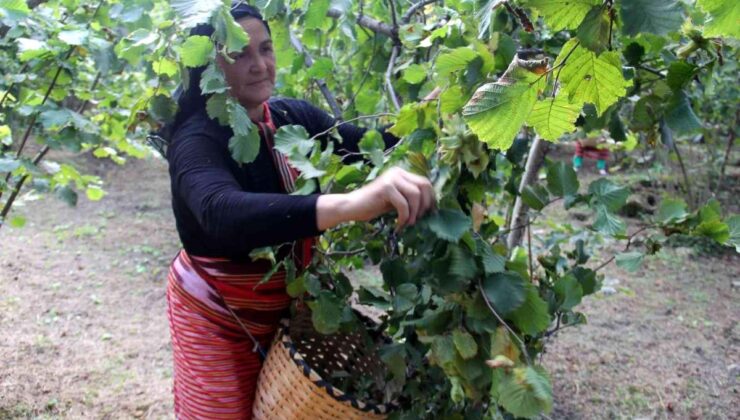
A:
(518, 223)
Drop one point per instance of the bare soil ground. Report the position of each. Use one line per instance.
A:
(83, 329)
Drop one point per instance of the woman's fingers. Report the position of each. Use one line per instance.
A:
(398, 201)
(426, 190)
(413, 196)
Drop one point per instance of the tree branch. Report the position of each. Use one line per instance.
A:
(535, 158)
(330, 99)
(406, 18)
(369, 23)
(388, 74)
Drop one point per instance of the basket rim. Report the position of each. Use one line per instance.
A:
(317, 380)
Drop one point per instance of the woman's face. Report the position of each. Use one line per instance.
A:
(251, 76)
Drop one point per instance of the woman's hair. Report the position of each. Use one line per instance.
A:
(189, 98)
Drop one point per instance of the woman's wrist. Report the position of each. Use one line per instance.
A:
(332, 210)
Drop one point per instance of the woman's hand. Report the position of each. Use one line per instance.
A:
(412, 196)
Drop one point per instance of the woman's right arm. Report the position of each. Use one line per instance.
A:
(201, 178)
(410, 195)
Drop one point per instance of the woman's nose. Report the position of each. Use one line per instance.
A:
(258, 64)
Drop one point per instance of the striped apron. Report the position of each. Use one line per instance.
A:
(216, 364)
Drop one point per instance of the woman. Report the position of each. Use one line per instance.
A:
(218, 309)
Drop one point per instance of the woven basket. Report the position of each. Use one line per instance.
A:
(291, 385)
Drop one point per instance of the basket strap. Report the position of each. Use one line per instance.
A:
(257, 347)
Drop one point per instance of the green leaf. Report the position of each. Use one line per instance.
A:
(562, 179)
(394, 357)
(609, 223)
(725, 17)
(196, 51)
(609, 194)
(660, 17)
(321, 68)
(460, 264)
(394, 272)
(326, 312)
(715, 230)
(672, 211)
(217, 108)
(680, 73)
(562, 14)
(14, 10)
(452, 99)
(244, 145)
(532, 316)
(535, 196)
(454, 60)
(245, 148)
(74, 37)
(405, 297)
(195, 12)
(293, 140)
(630, 261)
(497, 112)
(316, 14)
(30, 49)
(506, 291)
(594, 31)
(372, 144)
(492, 261)
(569, 292)
(589, 78)
(269, 8)
(212, 80)
(66, 194)
(587, 278)
(464, 343)
(229, 33)
(94, 193)
(449, 224)
(680, 116)
(526, 392)
(17, 221)
(443, 350)
(165, 66)
(633, 53)
(415, 74)
(9, 164)
(553, 117)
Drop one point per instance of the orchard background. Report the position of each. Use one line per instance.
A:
(479, 297)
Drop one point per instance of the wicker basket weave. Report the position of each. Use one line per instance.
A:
(291, 386)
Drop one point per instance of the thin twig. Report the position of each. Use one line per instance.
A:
(626, 248)
(361, 117)
(330, 99)
(685, 175)
(388, 75)
(529, 250)
(406, 18)
(501, 320)
(369, 23)
(561, 65)
(651, 70)
(730, 143)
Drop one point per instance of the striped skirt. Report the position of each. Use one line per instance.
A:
(215, 363)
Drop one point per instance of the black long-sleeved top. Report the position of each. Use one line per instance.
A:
(223, 209)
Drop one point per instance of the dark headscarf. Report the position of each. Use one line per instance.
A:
(191, 100)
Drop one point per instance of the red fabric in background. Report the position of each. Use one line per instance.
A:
(591, 152)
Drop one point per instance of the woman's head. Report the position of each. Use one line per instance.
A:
(251, 75)
(256, 63)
